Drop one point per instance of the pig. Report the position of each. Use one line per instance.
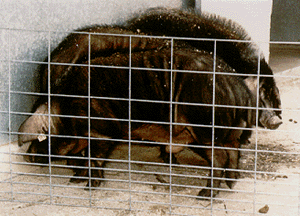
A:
(244, 57)
(202, 103)
(109, 46)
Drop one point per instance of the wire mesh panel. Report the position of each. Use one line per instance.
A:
(111, 102)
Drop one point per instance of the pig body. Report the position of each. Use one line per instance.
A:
(103, 87)
(195, 91)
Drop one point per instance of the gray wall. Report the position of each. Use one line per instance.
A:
(285, 24)
(254, 16)
(24, 41)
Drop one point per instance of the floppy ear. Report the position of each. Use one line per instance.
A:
(37, 125)
(251, 82)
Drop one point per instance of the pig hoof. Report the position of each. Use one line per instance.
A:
(205, 194)
(76, 180)
(230, 183)
(78, 174)
(245, 142)
(231, 175)
(93, 185)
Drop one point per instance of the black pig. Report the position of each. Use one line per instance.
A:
(192, 97)
(92, 42)
(68, 79)
(243, 57)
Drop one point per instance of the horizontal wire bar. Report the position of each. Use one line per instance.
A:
(52, 185)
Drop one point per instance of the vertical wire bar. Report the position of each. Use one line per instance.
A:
(213, 125)
(171, 120)
(129, 123)
(49, 114)
(49, 101)
(256, 131)
(89, 116)
(298, 194)
(9, 117)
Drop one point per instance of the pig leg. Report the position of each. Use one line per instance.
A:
(42, 147)
(158, 133)
(244, 139)
(79, 172)
(233, 161)
(233, 155)
(219, 161)
(79, 149)
(99, 150)
(37, 147)
(166, 156)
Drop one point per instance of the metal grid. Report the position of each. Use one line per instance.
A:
(137, 188)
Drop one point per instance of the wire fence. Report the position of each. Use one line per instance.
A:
(139, 174)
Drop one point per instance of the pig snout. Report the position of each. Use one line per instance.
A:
(270, 120)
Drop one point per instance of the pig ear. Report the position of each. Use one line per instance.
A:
(37, 125)
(251, 83)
